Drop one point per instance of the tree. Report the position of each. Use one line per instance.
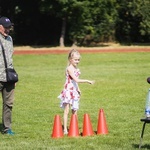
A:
(80, 22)
(69, 11)
(134, 21)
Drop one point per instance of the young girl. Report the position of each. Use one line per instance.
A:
(70, 95)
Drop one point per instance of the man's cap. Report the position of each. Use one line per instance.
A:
(5, 22)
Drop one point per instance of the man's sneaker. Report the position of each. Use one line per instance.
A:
(8, 132)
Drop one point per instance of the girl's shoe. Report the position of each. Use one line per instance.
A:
(65, 132)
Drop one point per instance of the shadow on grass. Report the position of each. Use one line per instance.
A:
(1, 126)
(136, 146)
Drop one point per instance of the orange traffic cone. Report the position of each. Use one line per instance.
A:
(73, 129)
(57, 127)
(87, 126)
(102, 126)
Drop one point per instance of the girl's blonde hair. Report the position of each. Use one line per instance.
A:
(72, 52)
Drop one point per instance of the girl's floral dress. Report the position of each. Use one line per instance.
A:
(70, 92)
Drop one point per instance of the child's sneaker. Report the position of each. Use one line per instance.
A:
(65, 132)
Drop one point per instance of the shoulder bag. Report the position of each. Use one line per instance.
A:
(11, 74)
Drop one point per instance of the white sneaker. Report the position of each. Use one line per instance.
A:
(65, 132)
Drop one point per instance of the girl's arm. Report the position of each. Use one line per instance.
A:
(70, 70)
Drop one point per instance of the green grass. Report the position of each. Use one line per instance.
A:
(120, 90)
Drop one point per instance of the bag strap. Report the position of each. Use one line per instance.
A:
(3, 51)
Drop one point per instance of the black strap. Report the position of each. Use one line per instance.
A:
(3, 51)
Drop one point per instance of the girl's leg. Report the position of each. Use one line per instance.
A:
(75, 106)
(74, 112)
(66, 112)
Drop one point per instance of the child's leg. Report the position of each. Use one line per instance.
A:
(74, 112)
(66, 112)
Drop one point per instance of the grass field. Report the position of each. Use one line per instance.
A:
(120, 90)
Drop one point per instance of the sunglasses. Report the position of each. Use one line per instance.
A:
(9, 28)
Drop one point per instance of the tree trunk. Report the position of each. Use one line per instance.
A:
(63, 31)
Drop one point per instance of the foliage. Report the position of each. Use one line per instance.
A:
(87, 22)
(134, 21)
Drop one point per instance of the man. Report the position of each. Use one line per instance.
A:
(7, 89)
